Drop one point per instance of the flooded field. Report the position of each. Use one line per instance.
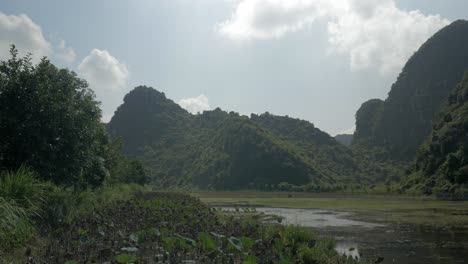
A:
(395, 243)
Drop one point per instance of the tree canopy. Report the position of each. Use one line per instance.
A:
(50, 121)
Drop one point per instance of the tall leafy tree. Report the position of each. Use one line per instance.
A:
(50, 120)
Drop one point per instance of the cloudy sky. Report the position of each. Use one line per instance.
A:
(313, 59)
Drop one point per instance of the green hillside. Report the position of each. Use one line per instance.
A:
(220, 150)
(441, 165)
(401, 123)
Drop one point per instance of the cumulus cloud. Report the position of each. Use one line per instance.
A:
(103, 71)
(264, 19)
(381, 35)
(195, 104)
(373, 33)
(25, 34)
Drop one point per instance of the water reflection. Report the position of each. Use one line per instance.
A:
(315, 218)
(347, 248)
(404, 244)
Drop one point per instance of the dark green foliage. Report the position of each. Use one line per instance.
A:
(213, 149)
(49, 120)
(145, 117)
(338, 163)
(366, 118)
(121, 168)
(400, 124)
(441, 165)
(221, 150)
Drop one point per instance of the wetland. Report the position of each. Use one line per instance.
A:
(397, 229)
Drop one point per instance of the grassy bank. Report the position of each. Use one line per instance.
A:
(398, 209)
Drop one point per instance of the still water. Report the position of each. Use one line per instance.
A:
(403, 244)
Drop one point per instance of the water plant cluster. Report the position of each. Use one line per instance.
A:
(155, 227)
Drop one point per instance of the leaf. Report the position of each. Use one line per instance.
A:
(189, 241)
(247, 242)
(168, 244)
(250, 260)
(206, 242)
(125, 258)
(235, 242)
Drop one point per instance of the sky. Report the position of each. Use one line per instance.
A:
(317, 60)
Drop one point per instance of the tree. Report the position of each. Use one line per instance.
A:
(122, 168)
(50, 120)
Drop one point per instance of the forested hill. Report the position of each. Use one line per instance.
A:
(145, 117)
(441, 165)
(402, 122)
(223, 150)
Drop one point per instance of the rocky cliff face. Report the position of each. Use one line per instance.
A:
(402, 122)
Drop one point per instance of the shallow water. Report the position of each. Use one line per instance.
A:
(316, 218)
(404, 244)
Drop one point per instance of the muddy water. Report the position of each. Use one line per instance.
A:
(403, 244)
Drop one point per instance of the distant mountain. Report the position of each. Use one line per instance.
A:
(400, 124)
(345, 139)
(224, 150)
(441, 165)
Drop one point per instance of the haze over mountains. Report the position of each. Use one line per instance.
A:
(225, 150)
(222, 150)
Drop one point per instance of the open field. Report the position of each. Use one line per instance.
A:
(398, 209)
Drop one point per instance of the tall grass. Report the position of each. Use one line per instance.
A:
(28, 205)
(23, 188)
(65, 205)
(21, 199)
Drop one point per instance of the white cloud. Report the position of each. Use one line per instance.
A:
(195, 104)
(380, 35)
(65, 53)
(103, 71)
(25, 34)
(264, 19)
(373, 33)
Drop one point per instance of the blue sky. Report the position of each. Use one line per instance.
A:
(310, 59)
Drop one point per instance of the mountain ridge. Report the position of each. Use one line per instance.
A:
(220, 150)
